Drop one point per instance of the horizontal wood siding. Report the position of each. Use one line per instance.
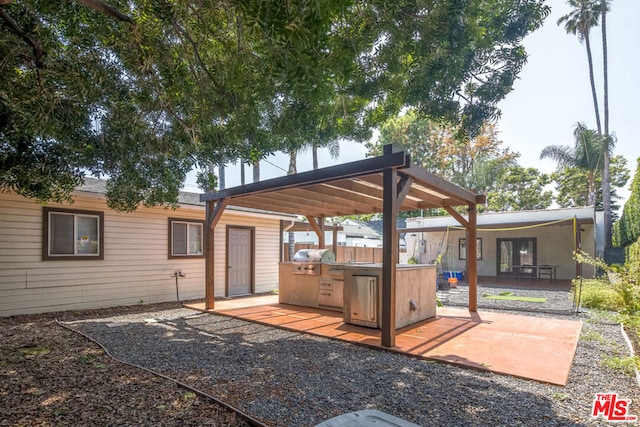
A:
(136, 268)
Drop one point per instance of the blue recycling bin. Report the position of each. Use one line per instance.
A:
(457, 274)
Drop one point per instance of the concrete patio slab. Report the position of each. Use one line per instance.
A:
(536, 348)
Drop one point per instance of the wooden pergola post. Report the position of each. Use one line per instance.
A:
(213, 214)
(470, 226)
(472, 259)
(389, 253)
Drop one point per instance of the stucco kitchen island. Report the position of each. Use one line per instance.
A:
(355, 289)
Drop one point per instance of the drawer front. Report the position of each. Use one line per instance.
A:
(325, 297)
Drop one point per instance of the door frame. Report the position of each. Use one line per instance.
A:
(252, 257)
(515, 241)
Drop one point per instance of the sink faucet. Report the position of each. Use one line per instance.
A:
(348, 251)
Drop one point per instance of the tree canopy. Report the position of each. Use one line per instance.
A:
(586, 154)
(572, 185)
(626, 231)
(142, 91)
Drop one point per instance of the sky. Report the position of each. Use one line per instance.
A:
(552, 94)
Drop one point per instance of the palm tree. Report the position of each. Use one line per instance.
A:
(334, 150)
(606, 175)
(584, 16)
(586, 154)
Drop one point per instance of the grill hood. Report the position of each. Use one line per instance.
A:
(315, 255)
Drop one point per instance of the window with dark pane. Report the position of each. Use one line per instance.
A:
(187, 238)
(61, 234)
(179, 238)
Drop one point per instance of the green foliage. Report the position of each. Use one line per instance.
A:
(143, 92)
(597, 293)
(476, 163)
(626, 231)
(572, 184)
(33, 352)
(618, 291)
(625, 365)
(561, 396)
(587, 155)
(519, 188)
(207, 181)
(591, 336)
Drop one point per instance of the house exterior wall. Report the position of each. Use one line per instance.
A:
(555, 246)
(136, 267)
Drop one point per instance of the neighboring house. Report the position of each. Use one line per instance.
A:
(85, 255)
(507, 240)
(352, 233)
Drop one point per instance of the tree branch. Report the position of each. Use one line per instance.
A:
(106, 9)
(38, 50)
(185, 34)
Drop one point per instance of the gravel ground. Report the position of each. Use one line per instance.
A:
(50, 376)
(558, 302)
(285, 378)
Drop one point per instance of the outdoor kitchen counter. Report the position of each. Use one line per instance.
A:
(300, 289)
(415, 290)
(415, 287)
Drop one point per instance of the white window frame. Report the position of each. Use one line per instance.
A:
(48, 237)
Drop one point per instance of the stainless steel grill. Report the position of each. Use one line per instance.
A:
(315, 255)
(309, 261)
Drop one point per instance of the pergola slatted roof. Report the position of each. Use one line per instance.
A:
(355, 188)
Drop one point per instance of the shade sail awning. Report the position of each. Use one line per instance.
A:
(353, 188)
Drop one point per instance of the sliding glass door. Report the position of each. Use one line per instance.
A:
(516, 252)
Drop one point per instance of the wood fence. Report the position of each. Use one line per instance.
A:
(343, 253)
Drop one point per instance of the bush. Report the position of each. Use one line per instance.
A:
(625, 283)
(597, 293)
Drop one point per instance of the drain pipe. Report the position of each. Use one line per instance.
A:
(177, 274)
(291, 250)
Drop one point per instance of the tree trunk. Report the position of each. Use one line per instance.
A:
(606, 174)
(591, 197)
(221, 177)
(242, 178)
(212, 172)
(314, 152)
(593, 84)
(256, 171)
(293, 166)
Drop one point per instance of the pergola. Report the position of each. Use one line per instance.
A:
(386, 184)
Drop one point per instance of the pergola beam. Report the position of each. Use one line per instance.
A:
(351, 170)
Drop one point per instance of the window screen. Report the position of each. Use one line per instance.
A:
(72, 234)
(186, 238)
